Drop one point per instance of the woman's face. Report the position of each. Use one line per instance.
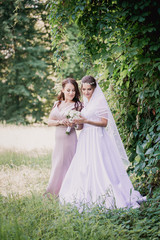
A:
(69, 92)
(87, 90)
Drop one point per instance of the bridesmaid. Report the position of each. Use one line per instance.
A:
(65, 145)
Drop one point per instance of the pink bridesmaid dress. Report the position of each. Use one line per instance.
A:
(64, 150)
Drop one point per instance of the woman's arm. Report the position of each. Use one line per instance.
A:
(102, 123)
(54, 122)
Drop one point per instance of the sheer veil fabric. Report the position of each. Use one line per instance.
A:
(102, 110)
(97, 174)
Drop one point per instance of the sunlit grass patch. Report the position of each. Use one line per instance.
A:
(27, 158)
(23, 180)
(24, 172)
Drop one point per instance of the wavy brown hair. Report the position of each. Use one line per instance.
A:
(61, 97)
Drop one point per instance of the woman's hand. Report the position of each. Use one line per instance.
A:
(80, 120)
(65, 122)
(101, 123)
(71, 124)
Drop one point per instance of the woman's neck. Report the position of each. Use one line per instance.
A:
(68, 101)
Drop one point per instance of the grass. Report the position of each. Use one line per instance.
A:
(25, 214)
(32, 159)
(36, 218)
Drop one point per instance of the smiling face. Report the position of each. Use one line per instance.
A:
(87, 90)
(69, 92)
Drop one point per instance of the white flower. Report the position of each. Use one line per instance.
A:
(71, 115)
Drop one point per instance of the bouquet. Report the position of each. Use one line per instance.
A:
(71, 115)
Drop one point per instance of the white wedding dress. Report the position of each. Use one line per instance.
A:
(97, 174)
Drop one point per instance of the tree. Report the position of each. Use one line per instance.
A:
(25, 60)
(67, 55)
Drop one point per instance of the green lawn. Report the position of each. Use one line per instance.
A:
(25, 214)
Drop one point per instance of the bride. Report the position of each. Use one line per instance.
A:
(97, 174)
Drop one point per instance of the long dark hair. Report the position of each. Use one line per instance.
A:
(78, 104)
(90, 80)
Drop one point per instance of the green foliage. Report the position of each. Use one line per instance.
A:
(120, 41)
(147, 161)
(37, 218)
(66, 55)
(25, 60)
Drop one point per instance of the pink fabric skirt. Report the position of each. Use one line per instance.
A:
(64, 150)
